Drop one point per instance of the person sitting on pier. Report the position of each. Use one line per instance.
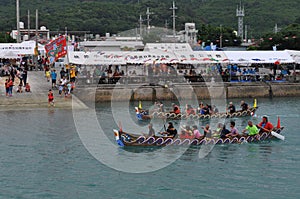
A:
(233, 131)
(176, 109)
(231, 108)
(252, 129)
(265, 125)
(244, 106)
(19, 90)
(171, 131)
(27, 87)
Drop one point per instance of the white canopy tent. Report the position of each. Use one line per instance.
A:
(295, 54)
(97, 58)
(186, 57)
(202, 57)
(250, 57)
(16, 50)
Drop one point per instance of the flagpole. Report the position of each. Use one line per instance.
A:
(18, 21)
(36, 39)
(67, 49)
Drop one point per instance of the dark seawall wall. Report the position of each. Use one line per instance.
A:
(188, 91)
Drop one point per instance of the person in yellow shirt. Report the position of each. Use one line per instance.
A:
(72, 74)
(48, 73)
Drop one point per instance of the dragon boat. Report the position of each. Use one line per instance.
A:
(128, 139)
(146, 115)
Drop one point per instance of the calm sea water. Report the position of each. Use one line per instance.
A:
(41, 156)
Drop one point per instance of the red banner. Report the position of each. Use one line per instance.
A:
(56, 49)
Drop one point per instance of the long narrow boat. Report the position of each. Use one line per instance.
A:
(145, 115)
(128, 139)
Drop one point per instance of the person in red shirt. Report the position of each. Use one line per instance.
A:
(265, 125)
(50, 98)
(6, 87)
(27, 87)
(176, 109)
(189, 110)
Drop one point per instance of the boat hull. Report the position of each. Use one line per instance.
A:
(141, 116)
(127, 139)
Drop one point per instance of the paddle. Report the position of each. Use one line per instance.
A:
(277, 135)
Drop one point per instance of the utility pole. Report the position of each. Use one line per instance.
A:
(174, 8)
(28, 24)
(240, 13)
(221, 37)
(246, 33)
(18, 21)
(141, 24)
(148, 13)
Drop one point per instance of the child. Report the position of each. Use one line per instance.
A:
(27, 87)
(48, 73)
(60, 88)
(50, 98)
(19, 90)
(6, 87)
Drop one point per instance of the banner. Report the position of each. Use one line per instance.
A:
(56, 49)
(15, 50)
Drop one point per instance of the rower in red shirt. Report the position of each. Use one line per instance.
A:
(265, 125)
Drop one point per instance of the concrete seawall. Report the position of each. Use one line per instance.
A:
(199, 90)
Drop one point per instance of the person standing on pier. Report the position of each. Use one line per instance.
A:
(53, 77)
(24, 77)
(6, 87)
(10, 86)
(50, 98)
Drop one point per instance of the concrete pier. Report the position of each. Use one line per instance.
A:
(38, 97)
(85, 94)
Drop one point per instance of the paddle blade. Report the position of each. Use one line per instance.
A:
(277, 135)
(120, 126)
(278, 123)
(140, 105)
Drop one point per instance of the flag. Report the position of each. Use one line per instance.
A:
(56, 49)
(278, 123)
(255, 104)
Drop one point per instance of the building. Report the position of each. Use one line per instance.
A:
(113, 44)
(30, 34)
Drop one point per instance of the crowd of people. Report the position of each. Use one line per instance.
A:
(15, 75)
(193, 132)
(202, 109)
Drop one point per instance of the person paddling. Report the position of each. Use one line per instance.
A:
(265, 125)
(171, 131)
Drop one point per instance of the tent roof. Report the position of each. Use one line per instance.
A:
(249, 57)
(295, 54)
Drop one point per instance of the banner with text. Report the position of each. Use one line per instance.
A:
(56, 49)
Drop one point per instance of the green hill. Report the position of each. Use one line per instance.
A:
(118, 15)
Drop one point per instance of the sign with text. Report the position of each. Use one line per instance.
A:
(56, 48)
